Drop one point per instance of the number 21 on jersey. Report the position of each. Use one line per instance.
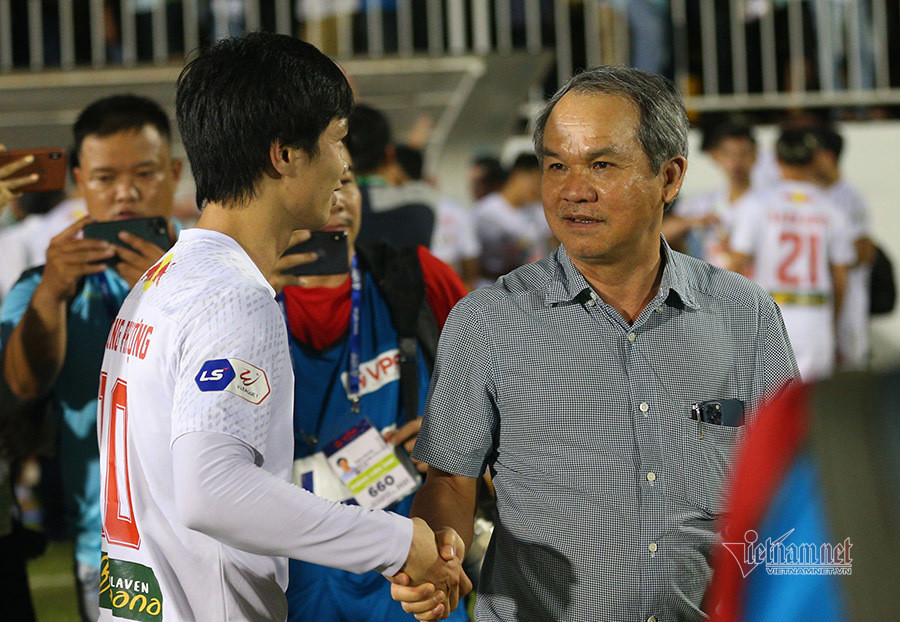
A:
(800, 266)
(119, 526)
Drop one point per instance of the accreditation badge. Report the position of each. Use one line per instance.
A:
(369, 467)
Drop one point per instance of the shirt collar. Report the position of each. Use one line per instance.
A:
(569, 284)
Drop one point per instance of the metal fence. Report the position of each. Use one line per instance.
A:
(722, 53)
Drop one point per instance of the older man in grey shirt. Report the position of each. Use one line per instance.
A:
(605, 386)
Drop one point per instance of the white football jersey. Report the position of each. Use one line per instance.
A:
(853, 325)
(454, 240)
(709, 243)
(794, 234)
(198, 345)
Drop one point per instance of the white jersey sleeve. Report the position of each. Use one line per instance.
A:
(469, 246)
(849, 201)
(840, 241)
(221, 492)
(229, 356)
(747, 227)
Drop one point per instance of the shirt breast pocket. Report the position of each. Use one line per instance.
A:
(708, 462)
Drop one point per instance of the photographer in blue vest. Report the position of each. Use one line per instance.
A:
(361, 343)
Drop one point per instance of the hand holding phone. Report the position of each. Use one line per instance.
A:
(69, 258)
(280, 277)
(139, 243)
(10, 183)
(332, 254)
(35, 170)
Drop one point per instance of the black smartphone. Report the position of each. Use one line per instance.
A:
(331, 248)
(154, 229)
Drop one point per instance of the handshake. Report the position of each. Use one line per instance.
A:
(432, 582)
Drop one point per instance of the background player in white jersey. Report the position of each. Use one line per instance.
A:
(853, 329)
(701, 224)
(195, 409)
(797, 245)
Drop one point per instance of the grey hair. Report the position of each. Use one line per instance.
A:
(663, 125)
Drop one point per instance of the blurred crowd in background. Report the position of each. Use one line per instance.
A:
(786, 216)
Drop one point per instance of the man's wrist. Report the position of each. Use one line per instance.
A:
(47, 296)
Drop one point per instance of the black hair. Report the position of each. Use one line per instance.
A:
(115, 114)
(493, 170)
(368, 138)
(410, 160)
(525, 162)
(830, 141)
(797, 147)
(239, 96)
(730, 129)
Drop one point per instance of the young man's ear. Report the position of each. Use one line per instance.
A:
(285, 159)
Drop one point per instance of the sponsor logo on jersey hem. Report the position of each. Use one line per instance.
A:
(235, 376)
(130, 590)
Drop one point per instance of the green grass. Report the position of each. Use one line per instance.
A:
(52, 582)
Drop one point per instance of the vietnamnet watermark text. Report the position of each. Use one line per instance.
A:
(790, 558)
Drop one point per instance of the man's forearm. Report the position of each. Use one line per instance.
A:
(447, 501)
(839, 280)
(36, 348)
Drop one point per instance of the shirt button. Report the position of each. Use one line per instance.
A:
(651, 619)
(644, 407)
(590, 302)
(631, 336)
(658, 310)
(652, 547)
(651, 477)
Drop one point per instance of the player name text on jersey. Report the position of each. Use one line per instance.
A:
(130, 338)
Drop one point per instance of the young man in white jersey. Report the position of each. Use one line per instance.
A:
(795, 243)
(701, 224)
(196, 389)
(853, 330)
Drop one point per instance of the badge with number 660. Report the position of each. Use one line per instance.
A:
(369, 467)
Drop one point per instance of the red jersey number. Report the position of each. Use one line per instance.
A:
(798, 246)
(119, 525)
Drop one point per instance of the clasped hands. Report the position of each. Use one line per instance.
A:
(432, 582)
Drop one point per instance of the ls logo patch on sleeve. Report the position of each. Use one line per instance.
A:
(235, 376)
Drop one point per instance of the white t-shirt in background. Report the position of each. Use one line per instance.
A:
(454, 239)
(794, 234)
(853, 325)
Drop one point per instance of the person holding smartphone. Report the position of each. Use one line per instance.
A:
(324, 343)
(55, 320)
(13, 573)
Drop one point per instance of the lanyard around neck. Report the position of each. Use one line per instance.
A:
(355, 331)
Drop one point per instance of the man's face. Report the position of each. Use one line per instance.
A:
(322, 177)
(825, 165)
(130, 174)
(347, 212)
(736, 157)
(600, 197)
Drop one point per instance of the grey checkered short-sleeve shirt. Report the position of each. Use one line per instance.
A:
(606, 493)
